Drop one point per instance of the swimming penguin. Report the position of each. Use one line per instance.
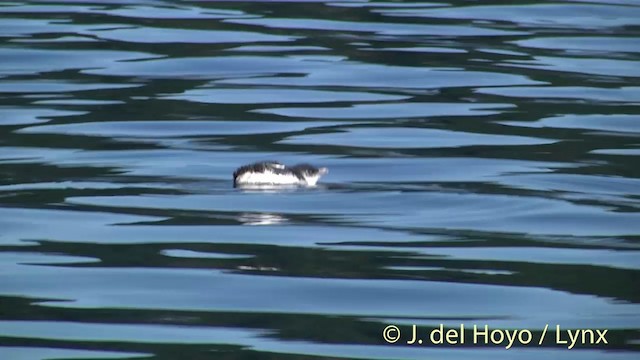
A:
(275, 173)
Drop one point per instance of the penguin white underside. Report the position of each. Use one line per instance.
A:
(276, 174)
(269, 178)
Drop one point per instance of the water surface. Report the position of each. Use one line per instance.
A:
(481, 160)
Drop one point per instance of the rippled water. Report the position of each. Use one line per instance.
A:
(483, 165)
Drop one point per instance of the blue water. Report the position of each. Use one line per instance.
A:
(483, 162)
